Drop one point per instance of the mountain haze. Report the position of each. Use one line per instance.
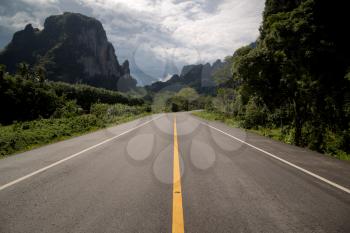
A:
(200, 77)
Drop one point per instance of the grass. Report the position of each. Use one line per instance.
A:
(212, 116)
(271, 133)
(28, 135)
(275, 133)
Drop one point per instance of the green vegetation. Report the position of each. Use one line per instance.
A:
(214, 116)
(186, 99)
(37, 112)
(293, 84)
(333, 141)
(30, 134)
(27, 96)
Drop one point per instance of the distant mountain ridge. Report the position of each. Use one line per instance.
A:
(72, 48)
(200, 77)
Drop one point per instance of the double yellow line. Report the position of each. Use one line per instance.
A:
(178, 219)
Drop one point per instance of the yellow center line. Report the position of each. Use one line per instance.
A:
(178, 219)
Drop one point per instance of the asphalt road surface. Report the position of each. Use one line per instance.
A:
(173, 173)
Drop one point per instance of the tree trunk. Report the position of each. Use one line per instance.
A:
(298, 129)
(298, 124)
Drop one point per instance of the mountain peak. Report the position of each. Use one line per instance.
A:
(29, 28)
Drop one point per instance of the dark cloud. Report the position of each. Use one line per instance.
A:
(10, 7)
(15, 14)
(5, 36)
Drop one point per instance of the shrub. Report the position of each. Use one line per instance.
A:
(255, 113)
(69, 109)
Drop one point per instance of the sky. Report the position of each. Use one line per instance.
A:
(158, 37)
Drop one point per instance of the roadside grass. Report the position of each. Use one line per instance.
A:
(23, 136)
(212, 116)
(271, 133)
(274, 133)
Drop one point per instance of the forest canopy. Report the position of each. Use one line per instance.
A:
(296, 77)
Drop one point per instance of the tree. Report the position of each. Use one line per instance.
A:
(40, 74)
(298, 69)
(2, 71)
(23, 70)
(188, 93)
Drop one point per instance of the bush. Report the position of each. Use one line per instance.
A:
(99, 110)
(117, 110)
(29, 99)
(87, 95)
(23, 135)
(69, 109)
(26, 100)
(255, 114)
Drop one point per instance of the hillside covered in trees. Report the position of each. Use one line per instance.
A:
(296, 78)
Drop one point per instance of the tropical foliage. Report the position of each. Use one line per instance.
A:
(28, 96)
(296, 78)
(36, 112)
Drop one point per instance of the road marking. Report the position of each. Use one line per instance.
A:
(178, 219)
(73, 156)
(283, 161)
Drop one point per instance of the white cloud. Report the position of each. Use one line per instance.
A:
(235, 24)
(15, 15)
(45, 2)
(18, 20)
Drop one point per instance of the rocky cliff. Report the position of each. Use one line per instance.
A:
(199, 77)
(72, 48)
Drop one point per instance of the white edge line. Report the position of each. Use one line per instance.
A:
(283, 161)
(72, 156)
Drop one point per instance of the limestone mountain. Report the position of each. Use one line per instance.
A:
(199, 77)
(72, 48)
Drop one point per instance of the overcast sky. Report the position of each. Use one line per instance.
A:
(158, 37)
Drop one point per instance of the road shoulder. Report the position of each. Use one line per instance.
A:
(325, 166)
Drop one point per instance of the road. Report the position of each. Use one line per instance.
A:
(173, 173)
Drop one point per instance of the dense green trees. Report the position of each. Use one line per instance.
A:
(186, 99)
(27, 96)
(35, 111)
(297, 76)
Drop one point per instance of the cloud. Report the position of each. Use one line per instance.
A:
(41, 2)
(14, 15)
(152, 33)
